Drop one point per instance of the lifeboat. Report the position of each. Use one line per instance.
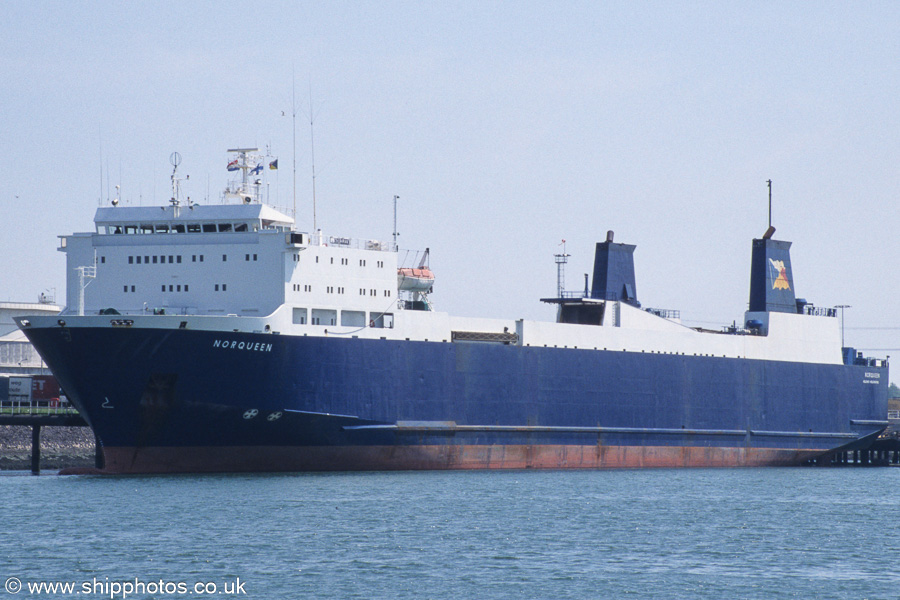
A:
(415, 280)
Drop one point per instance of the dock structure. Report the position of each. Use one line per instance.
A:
(39, 418)
(885, 451)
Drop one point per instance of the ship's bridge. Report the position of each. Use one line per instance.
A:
(195, 218)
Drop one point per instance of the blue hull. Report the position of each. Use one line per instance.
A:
(184, 400)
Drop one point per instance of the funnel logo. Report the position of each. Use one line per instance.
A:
(781, 281)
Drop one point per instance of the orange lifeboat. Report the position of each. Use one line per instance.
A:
(415, 280)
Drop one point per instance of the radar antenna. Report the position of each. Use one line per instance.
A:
(175, 160)
(561, 260)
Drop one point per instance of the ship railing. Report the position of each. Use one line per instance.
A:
(819, 311)
(868, 361)
(665, 313)
(611, 296)
(37, 407)
(320, 239)
(147, 311)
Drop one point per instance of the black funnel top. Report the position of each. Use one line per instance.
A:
(614, 273)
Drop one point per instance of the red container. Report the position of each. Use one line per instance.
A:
(44, 387)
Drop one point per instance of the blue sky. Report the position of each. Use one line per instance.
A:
(503, 127)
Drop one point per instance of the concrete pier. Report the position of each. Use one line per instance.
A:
(36, 421)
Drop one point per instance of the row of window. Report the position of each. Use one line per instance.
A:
(346, 261)
(147, 228)
(330, 289)
(176, 287)
(157, 259)
(173, 259)
(386, 293)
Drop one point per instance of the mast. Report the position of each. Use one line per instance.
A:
(395, 221)
(294, 133)
(561, 260)
(247, 160)
(175, 160)
(312, 141)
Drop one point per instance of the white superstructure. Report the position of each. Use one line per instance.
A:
(241, 266)
(240, 258)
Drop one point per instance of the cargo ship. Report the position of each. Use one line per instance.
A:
(220, 338)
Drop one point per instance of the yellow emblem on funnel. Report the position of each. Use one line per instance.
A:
(781, 282)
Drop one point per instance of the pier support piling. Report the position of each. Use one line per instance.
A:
(98, 452)
(35, 449)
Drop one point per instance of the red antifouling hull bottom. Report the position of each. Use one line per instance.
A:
(435, 457)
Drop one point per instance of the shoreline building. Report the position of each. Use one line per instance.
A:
(17, 355)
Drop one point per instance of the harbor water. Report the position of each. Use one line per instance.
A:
(691, 533)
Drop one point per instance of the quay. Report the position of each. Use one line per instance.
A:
(884, 452)
(38, 418)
